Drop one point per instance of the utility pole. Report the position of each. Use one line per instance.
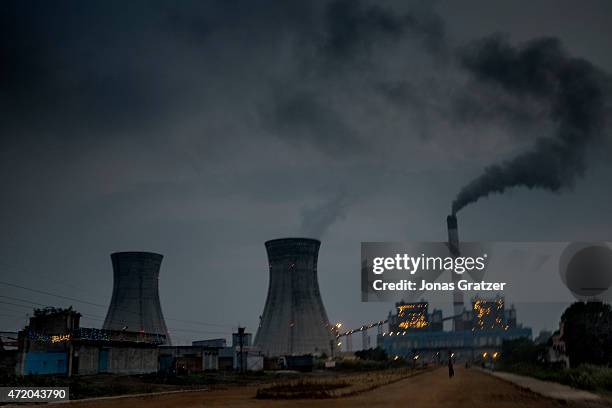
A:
(241, 345)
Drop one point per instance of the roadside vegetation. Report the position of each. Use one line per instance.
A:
(335, 386)
(586, 377)
(587, 336)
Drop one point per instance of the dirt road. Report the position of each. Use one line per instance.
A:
(469, 388)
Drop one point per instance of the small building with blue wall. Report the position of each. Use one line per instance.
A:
(53, 343)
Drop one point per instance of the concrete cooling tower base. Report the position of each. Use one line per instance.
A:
(135, 305)
(294, 320)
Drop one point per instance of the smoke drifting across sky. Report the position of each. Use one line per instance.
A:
(573, 92)
(317, 219)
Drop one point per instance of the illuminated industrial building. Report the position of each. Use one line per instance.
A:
(415, 317)
(488, 314)
(478, 332)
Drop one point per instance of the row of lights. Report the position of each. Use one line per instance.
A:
(396, 333)
(92, 334)
(415, 358)
(337, 326)
(494, 355)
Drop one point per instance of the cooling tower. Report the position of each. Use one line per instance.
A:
(294, 321)
(135, 303)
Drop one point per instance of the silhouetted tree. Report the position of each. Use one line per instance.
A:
(587, 333)
(522, 350)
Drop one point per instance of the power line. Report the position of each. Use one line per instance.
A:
(100, 305)
(10, 315)
(50, 294)
(52, 278)
(21, 312)
(95, 317)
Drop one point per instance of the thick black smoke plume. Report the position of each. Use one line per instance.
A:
(570, 87)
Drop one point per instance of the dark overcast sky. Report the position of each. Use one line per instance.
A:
(201, 129)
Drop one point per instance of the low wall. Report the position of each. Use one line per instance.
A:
(136, 360)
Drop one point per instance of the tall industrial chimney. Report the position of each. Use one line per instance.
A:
(135, 303)
(453, 246)
(453, 234)
(294, 320)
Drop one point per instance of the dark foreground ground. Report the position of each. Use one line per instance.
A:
(469, 388)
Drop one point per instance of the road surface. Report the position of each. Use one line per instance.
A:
(469, 388)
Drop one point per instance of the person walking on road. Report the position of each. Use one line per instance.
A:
(451, 370)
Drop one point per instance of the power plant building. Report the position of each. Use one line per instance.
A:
(477, 332)
(415, 317)
(294, 321)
